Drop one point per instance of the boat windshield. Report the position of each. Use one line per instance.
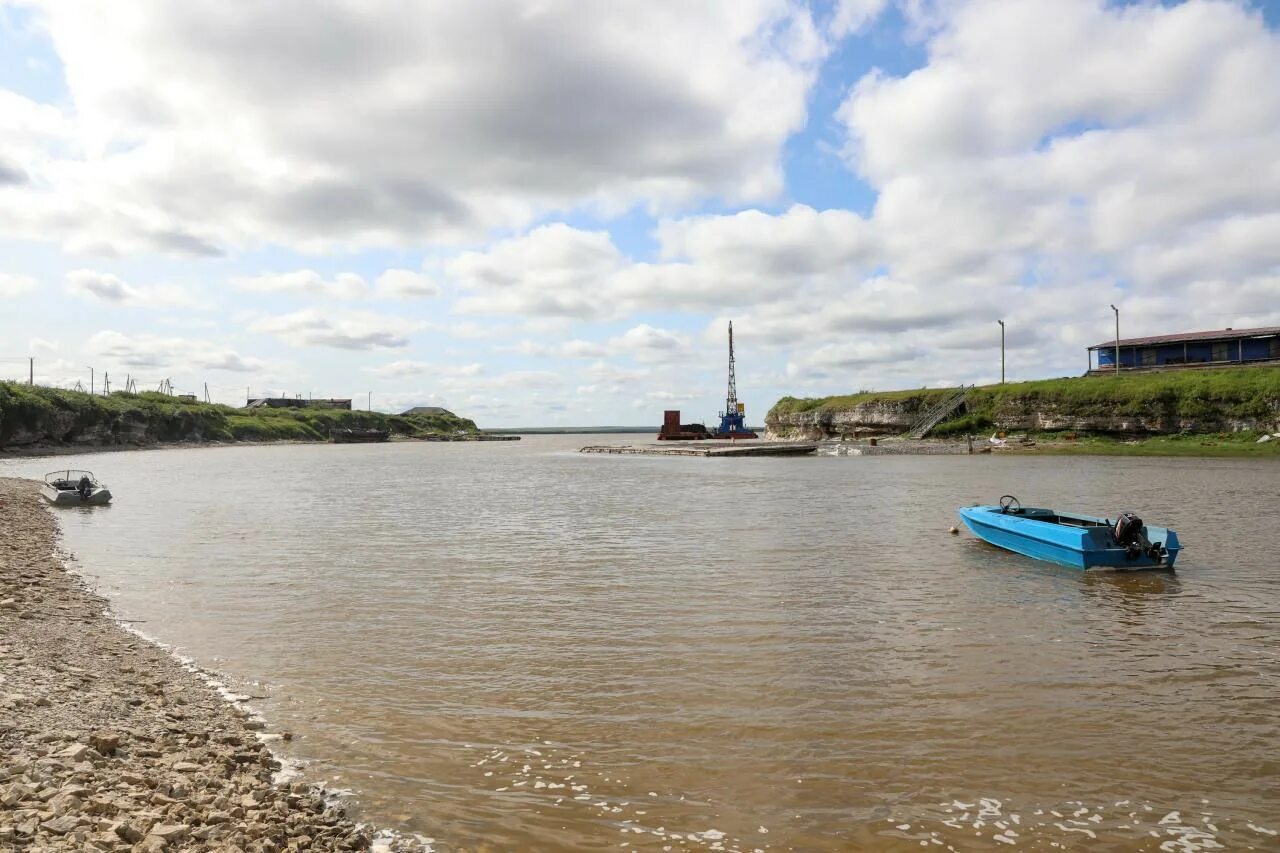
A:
(70, 478)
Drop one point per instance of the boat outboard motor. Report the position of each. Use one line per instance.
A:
(84, 487)
(1132, 535)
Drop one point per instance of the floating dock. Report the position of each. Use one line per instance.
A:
(707, 448)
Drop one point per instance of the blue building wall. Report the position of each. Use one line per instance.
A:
(1248, 349)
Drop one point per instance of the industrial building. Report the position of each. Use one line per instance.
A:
(1217, 348)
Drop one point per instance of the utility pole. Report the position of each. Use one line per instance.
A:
(206, 392)
(91, 386)
(369, 405)
(31, 370)
(1117, 310)
(1001, 322)
(106, 383)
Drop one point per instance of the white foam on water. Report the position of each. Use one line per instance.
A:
(619, 812)
(1059, 825)
(384, 841)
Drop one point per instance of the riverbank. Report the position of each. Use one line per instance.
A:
(1225, 445)
(109, 743)
(1183, 406)
(35, 416)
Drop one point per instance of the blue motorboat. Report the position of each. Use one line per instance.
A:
(1073, 540)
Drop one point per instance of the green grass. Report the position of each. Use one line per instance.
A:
(53, 415)
(1248, 392)
(1242, 444)
(794, 405)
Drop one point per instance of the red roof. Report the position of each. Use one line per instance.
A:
(1218, 335)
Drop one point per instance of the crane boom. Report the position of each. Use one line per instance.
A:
(731, 399)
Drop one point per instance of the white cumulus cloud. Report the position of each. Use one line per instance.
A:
(112, 290)
(304, 283)
(405, 284)
(102, 286)
(12, 285)
(178, 354)
(382, 122)
(409, 367)
(352, 330)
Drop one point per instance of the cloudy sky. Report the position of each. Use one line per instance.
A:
(546, 212)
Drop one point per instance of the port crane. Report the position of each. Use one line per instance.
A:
(732, 418)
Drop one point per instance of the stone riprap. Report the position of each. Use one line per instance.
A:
(109, 743)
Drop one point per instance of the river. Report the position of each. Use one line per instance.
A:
(505, 646)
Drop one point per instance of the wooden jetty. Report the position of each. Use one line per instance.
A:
(707, 448)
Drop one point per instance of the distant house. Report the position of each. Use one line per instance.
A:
(425, 410)
(1189, 349)
(295, 403)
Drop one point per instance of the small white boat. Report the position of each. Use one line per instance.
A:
(74, 488)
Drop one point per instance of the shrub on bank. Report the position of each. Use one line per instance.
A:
(970, 424)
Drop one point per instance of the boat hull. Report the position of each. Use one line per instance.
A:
(1083, 542)
(65, 497)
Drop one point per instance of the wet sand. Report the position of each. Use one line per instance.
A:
(109, 743)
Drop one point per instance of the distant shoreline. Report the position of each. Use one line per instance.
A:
(604, 430)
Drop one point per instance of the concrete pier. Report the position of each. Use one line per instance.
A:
(708, 448)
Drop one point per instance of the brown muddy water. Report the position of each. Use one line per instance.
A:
(510, 646)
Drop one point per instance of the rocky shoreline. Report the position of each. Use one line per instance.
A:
(47, 449)
(109, 743)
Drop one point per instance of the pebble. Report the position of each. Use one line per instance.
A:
(114, 745)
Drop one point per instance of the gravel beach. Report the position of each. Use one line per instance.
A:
(109, 743)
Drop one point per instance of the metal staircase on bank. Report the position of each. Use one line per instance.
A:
(938, 412)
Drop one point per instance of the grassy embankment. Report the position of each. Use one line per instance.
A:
(55, 416)
(1206, 399)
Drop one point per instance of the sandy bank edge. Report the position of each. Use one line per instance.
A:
(107, 742)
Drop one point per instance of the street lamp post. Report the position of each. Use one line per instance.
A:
(1001, 322)
(1117, 310)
